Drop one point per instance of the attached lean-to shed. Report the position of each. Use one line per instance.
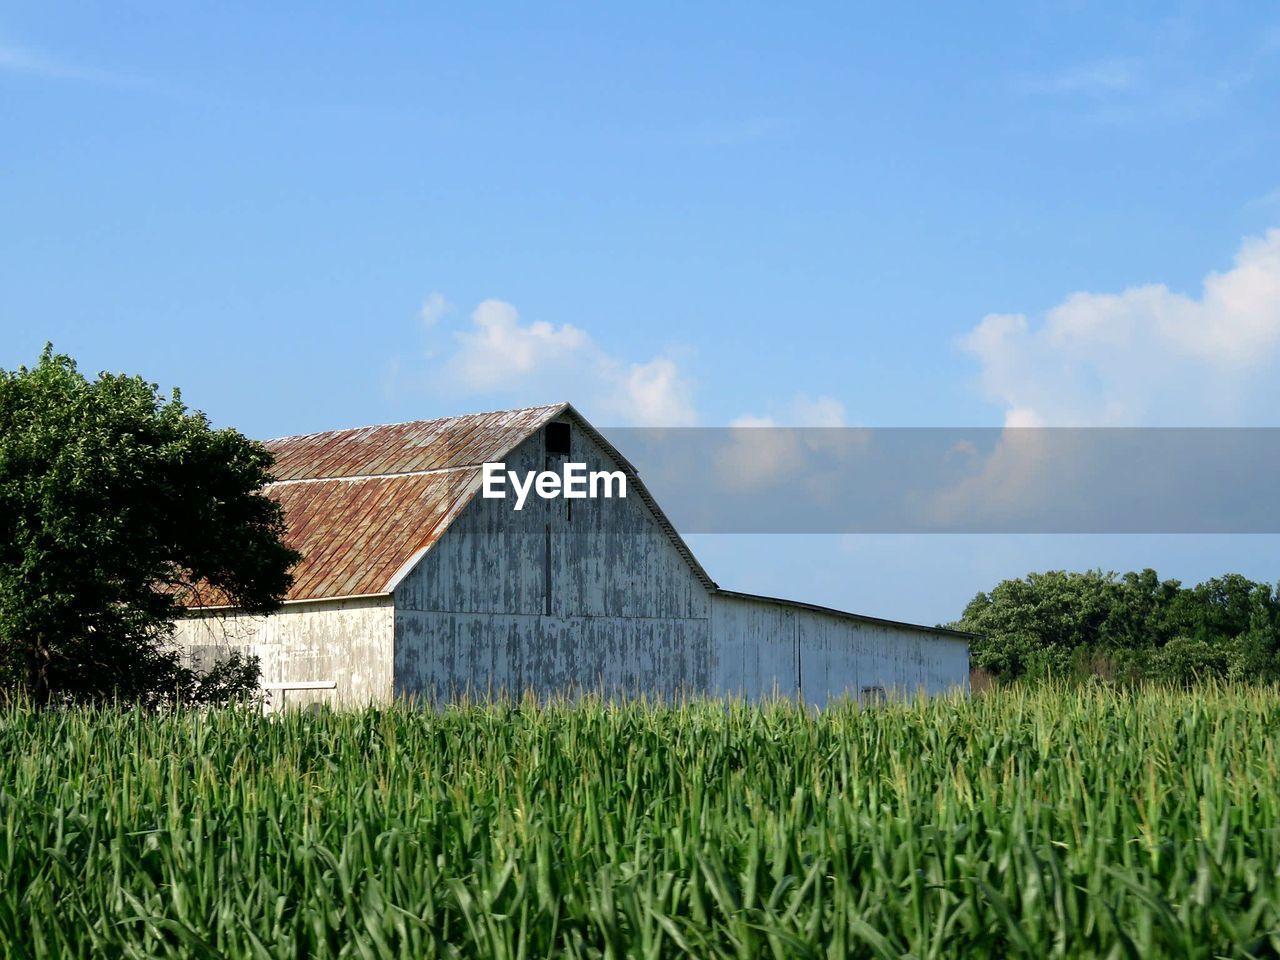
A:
(413, 585)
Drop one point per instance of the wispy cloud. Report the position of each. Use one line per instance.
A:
(1269, 199)
(1170, 76)
(735, 133)
(36, 63)
(1099, 77)
(434, 308)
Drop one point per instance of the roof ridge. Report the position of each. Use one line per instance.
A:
(352, 477)
(563, 404)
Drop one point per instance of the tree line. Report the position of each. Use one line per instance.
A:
(1130, 627)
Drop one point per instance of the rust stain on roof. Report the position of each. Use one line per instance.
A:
(361, 503)
(413, 447)
(355, 534)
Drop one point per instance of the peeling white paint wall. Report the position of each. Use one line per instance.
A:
(753, 649)
(346, 641)
(562, 596)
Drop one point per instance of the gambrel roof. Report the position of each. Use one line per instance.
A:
(363, 505)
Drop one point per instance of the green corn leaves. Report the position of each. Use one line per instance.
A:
(1048, 823)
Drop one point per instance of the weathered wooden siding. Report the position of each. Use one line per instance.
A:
(753, 649)
(444, 656)
(561, 596)
(346, 641)
(761, 647)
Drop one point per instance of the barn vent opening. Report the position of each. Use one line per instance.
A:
(557, 439)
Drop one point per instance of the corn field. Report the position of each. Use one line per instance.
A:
(1046, 823)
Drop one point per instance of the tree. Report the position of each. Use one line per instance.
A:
(117, 507)
(1134, 626)
(1034, 625)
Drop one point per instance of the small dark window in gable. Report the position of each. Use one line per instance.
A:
(557, 439)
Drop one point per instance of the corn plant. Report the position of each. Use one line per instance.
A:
(1050, 823)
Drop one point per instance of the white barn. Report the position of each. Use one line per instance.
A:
(414, 585)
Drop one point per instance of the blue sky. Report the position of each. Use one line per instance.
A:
(311, 217)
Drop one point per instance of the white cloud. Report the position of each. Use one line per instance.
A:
(1025, 471)
(499, 353)
(1145, 356)
(499, 350)
(657, 393)
(802, 411)
(819, 412)
(434, 308)
(759, 452)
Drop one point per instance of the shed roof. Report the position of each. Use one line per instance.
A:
(364, 504)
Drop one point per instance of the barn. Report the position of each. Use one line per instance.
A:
(414, 585)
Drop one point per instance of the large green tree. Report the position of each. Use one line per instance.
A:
(1129, 626)
(117, 504)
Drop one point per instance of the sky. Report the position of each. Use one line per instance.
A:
(317, 216)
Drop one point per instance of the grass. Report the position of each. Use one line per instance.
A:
(1036, 823)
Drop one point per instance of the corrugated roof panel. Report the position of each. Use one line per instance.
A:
(355, 534)
(407, 447)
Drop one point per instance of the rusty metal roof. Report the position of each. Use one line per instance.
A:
(362, 505)
(413, 447)
(356, 533)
